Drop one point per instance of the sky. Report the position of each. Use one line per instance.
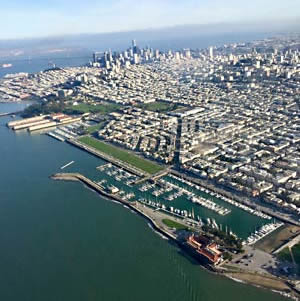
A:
(40, 18)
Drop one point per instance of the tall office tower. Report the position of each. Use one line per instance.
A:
(187, 53)
(211, 52)
(157, 54)
(134, 47)
(135, 58)
(127, 64)
(95, 57)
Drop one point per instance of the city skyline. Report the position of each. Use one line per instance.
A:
(61, 18)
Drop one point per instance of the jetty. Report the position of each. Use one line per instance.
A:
(153, 216)
(134, 205)
(10, 113)
(68, 164)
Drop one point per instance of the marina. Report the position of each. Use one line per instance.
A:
(175, 198)
(262, 232)
(63, 210)
(223, 198)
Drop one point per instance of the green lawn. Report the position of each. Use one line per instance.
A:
(99, 108)
(159, 106)
(172, 224)
(285, 255)
(94, 128)
(122, 155)
(296, 252)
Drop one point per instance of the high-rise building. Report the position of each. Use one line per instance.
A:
(135, 58)
(211, 52)
(96, 56)
(157, 54)
(187, 53)
(177, 55)
(134, 47)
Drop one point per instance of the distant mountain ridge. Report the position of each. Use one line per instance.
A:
(181, 36)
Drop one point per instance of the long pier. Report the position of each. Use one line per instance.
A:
(9, 114)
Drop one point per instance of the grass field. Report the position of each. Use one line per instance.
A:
(94, 128)
(99, 108)
(285, 254)
(172, 224)
(122, 155)
(159, 106)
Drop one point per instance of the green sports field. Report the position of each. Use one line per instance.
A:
(122, 155)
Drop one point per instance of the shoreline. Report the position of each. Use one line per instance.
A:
(263, 281)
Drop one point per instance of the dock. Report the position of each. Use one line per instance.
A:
(9, 114)
(154, 177)
(237, 198)
(68, 164)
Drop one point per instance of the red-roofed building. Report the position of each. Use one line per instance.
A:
(205, 248)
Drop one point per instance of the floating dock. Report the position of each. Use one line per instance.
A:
(68, 164)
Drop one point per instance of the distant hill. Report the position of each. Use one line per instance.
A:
(183, 36)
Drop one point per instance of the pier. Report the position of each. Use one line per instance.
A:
(9, 114)
(154, 177)
(68, 164)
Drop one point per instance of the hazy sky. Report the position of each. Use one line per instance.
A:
(34, 18)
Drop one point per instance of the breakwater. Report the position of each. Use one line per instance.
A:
(98, 188)
(9, 114)
(136, 207)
